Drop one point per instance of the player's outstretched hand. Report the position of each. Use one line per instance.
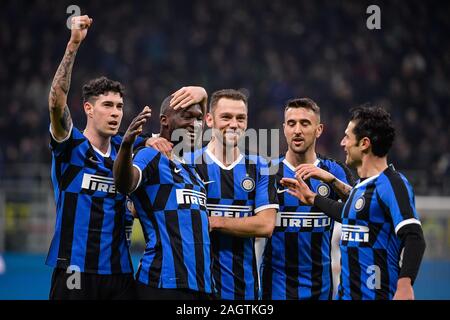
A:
(135, 127)
(187, 96)
(79, 27)
(299, 189)
(307, 170)
(161, 144)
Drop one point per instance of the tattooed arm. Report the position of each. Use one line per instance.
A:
(60, 118)
(342, 189)
(306, 171)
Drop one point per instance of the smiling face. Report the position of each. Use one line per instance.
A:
(189, 119)
(228, 120)
(105, 113)
(301, 128)
(352, 148)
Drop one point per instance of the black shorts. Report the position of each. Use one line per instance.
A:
(66, 286)
(145, 292)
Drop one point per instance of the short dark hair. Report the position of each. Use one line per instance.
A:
(374, 123)
(165, 105)
(102, 85)
(306, 103)
(231, 94)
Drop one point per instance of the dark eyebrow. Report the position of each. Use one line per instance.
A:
(229, 114)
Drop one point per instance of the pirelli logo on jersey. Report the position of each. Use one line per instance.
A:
(302, 219)
(189, 196)
(355, 233)
(98, 183)
(229, 211)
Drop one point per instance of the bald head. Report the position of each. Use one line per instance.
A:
(165, 106)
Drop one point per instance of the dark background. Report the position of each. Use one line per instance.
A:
(274, 50)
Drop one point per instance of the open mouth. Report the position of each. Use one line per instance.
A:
(113, 123)
(231, 133)
(298, 140)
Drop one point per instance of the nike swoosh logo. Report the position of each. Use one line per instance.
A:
(282, 190)
(177, 170)
(207, 182)
(92, 159)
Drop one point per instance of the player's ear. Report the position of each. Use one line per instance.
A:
(209, 119)
(319, 130)
(163, 120)
(365, 144)
(284, 130)
(88, 109)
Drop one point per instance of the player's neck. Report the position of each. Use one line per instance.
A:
(102, 143)
(371, 165)
(297, 159)
(226, 155)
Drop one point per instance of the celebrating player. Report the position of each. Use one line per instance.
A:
(170, 200)
(382, 241)
(89, 234)
(296, 260)
(241, 197)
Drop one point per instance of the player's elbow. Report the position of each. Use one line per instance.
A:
(122, 185)
(267, 223)
(267, 228)
(55, 106)
(56, 99)
(122, 189)
(267, 233)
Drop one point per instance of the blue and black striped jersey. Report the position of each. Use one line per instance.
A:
(90, 213)
(241, 189)
(296, 260)
(171, 204)
(377, 208)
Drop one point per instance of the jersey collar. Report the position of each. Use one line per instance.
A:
(104, 155)
(366, 181)
(220, 164)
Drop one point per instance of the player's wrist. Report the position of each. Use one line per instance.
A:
(127, 145)
(73, 45)
(311, 198)
(404, 282)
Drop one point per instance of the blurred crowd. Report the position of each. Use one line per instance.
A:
(272, 50)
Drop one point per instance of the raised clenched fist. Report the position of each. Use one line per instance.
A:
(79, 27)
